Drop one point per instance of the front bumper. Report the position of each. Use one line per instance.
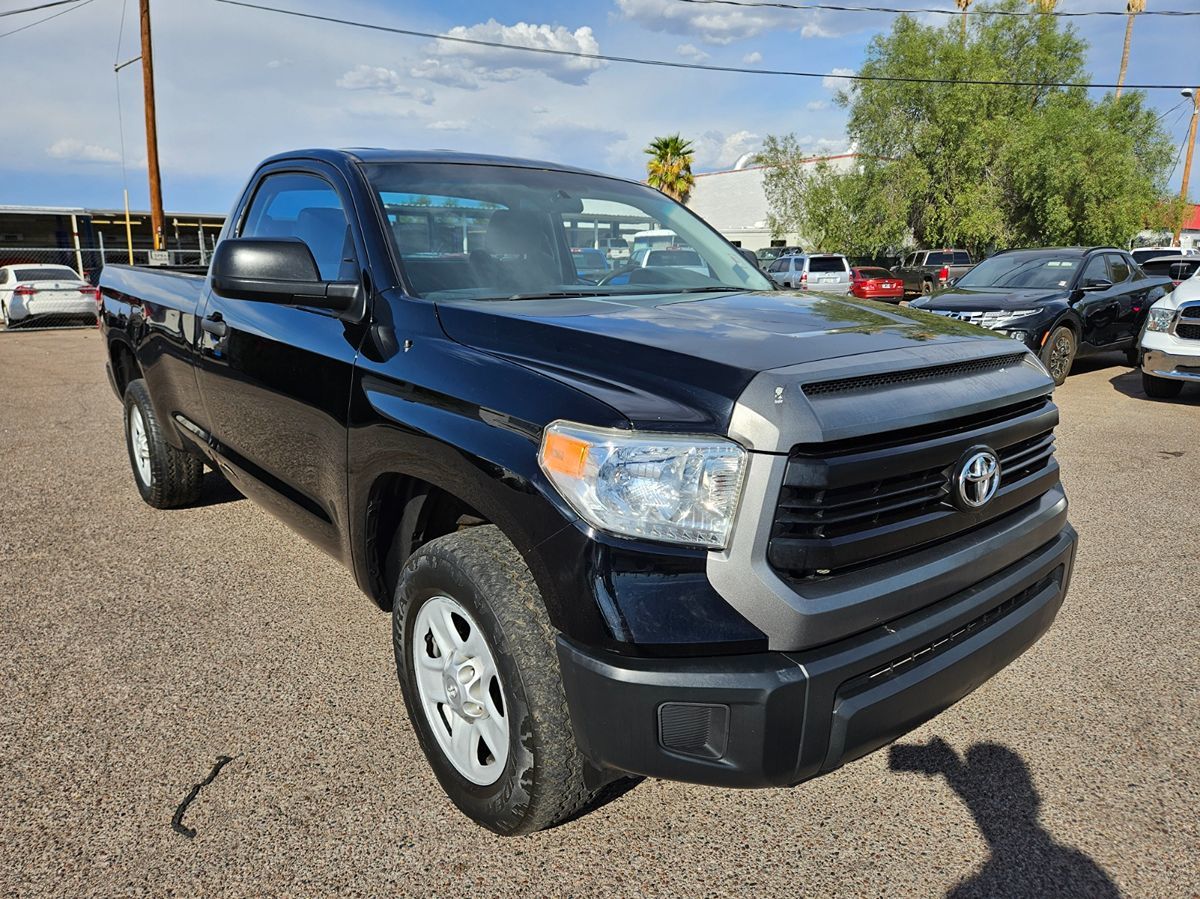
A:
(1175, 366)
(779, 718)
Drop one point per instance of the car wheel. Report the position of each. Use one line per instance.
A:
(166, 477)
(1058, 353)
(1160, 388)
(477, 664)
(1133, 357)
(926, 288)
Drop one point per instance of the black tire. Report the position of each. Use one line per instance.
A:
(541, 783)
(1058, 353)
(174, 475)
(1160, 388)
(1133, 357)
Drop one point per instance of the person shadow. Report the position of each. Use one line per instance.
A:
(996, 786)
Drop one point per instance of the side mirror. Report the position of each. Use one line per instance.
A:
(276, 270)
(749, 255)
(1096, 284)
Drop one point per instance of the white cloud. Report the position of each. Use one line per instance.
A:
(816, 105)
(496, 63)
(719, 24)
(278, 63)
(834, 83)
(717, 150)
(450, 74)
(382, 80)
(75, 150)
(752, 59)
(449, 125)
(692, 52)
(540, 110)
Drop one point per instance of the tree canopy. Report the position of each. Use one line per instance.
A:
(975, 165)
(669, 168)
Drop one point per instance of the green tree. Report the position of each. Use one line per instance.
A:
(983, 166)
(669, 168)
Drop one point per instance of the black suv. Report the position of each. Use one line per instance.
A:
(1061, 302)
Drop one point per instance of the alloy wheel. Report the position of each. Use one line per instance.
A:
(460, 690)
(140, 442)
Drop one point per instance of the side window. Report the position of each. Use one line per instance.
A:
(1119, 268)
(1094, 271)
(295, 204)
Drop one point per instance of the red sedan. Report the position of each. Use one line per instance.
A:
(876, 284)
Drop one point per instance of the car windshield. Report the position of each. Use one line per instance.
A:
(465, 231)
(874, 273)
(1022, 271)
(54, 273)
(826, 264)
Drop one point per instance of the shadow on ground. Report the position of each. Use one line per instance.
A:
(1130, 384)
(998, 789)
(215, 491)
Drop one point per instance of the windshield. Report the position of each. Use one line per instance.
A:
(56, 273)
(1021, 271)
(464, 231)
(873, 273)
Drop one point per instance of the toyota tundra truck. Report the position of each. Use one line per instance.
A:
(653, 522)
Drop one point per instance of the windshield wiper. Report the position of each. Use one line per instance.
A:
(556, 295)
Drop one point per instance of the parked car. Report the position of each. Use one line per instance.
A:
(1170, 342)
(589, 263)
(32, 291)
(678, 528)
(1142, 255)
(819, 271)
(926, 271)
(1177, 268)
(1062, 302)
(616, 249)
(870, 283)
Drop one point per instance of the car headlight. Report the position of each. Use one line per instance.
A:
(991, 319)
(1160, 319)
(675, 488)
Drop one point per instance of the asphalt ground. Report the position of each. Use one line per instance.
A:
(139, 646)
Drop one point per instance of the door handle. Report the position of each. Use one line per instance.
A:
(214, 325)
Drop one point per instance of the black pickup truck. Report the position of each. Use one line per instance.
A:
(674, 523)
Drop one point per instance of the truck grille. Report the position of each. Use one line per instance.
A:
(873, 499)
(1187, 332)
(1190, 312)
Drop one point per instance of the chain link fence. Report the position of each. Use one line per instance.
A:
(47, 287)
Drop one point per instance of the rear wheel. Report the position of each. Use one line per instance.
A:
(1160, 388)
(165, 476)
(1058, 353)
(926, 288)
(476, 658)
(4, 315)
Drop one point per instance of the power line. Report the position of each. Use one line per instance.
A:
(830, 7)
(662, 63)
(17, 12)
(81, 4)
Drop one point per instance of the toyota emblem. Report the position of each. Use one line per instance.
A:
(977, 480)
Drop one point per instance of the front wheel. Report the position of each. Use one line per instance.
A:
(926, 288)
(1058, 353)
(1160, 388)
(476, 658)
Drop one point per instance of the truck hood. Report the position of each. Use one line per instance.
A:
(680, 361)
(990, 299)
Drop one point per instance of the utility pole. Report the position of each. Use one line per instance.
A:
(156, 210)
(1194, 93)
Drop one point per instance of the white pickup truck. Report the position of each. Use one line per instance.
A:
(1170, 344)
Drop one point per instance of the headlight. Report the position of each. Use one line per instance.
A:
(675, 488)
(1160, 319)
(991, 319)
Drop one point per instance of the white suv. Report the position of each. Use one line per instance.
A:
(1170, 344)
(819, 271)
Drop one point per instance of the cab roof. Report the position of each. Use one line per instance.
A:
(371, 155)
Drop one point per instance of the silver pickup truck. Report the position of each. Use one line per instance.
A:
(925, 271)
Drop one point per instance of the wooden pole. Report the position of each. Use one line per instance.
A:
(1187, 164)
(156, 210)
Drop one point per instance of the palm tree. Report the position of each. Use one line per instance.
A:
(669, 168)
(1044, 6)
(964, 5)
(1132, 7)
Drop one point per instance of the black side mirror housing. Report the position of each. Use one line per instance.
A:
(1096, 284)
(276, 270)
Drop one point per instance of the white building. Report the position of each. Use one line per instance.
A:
(733, 201)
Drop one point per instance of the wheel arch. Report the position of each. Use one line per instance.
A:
(125, 366)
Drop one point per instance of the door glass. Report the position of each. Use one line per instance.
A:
(293, 204)
(1094, 271)
(1119, 268)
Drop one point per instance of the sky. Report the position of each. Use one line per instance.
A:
(235, 85)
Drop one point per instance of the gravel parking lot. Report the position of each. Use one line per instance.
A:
(138, 646)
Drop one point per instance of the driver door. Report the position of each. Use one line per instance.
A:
(1098, 307)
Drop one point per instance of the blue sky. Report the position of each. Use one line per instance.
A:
(235, 85)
